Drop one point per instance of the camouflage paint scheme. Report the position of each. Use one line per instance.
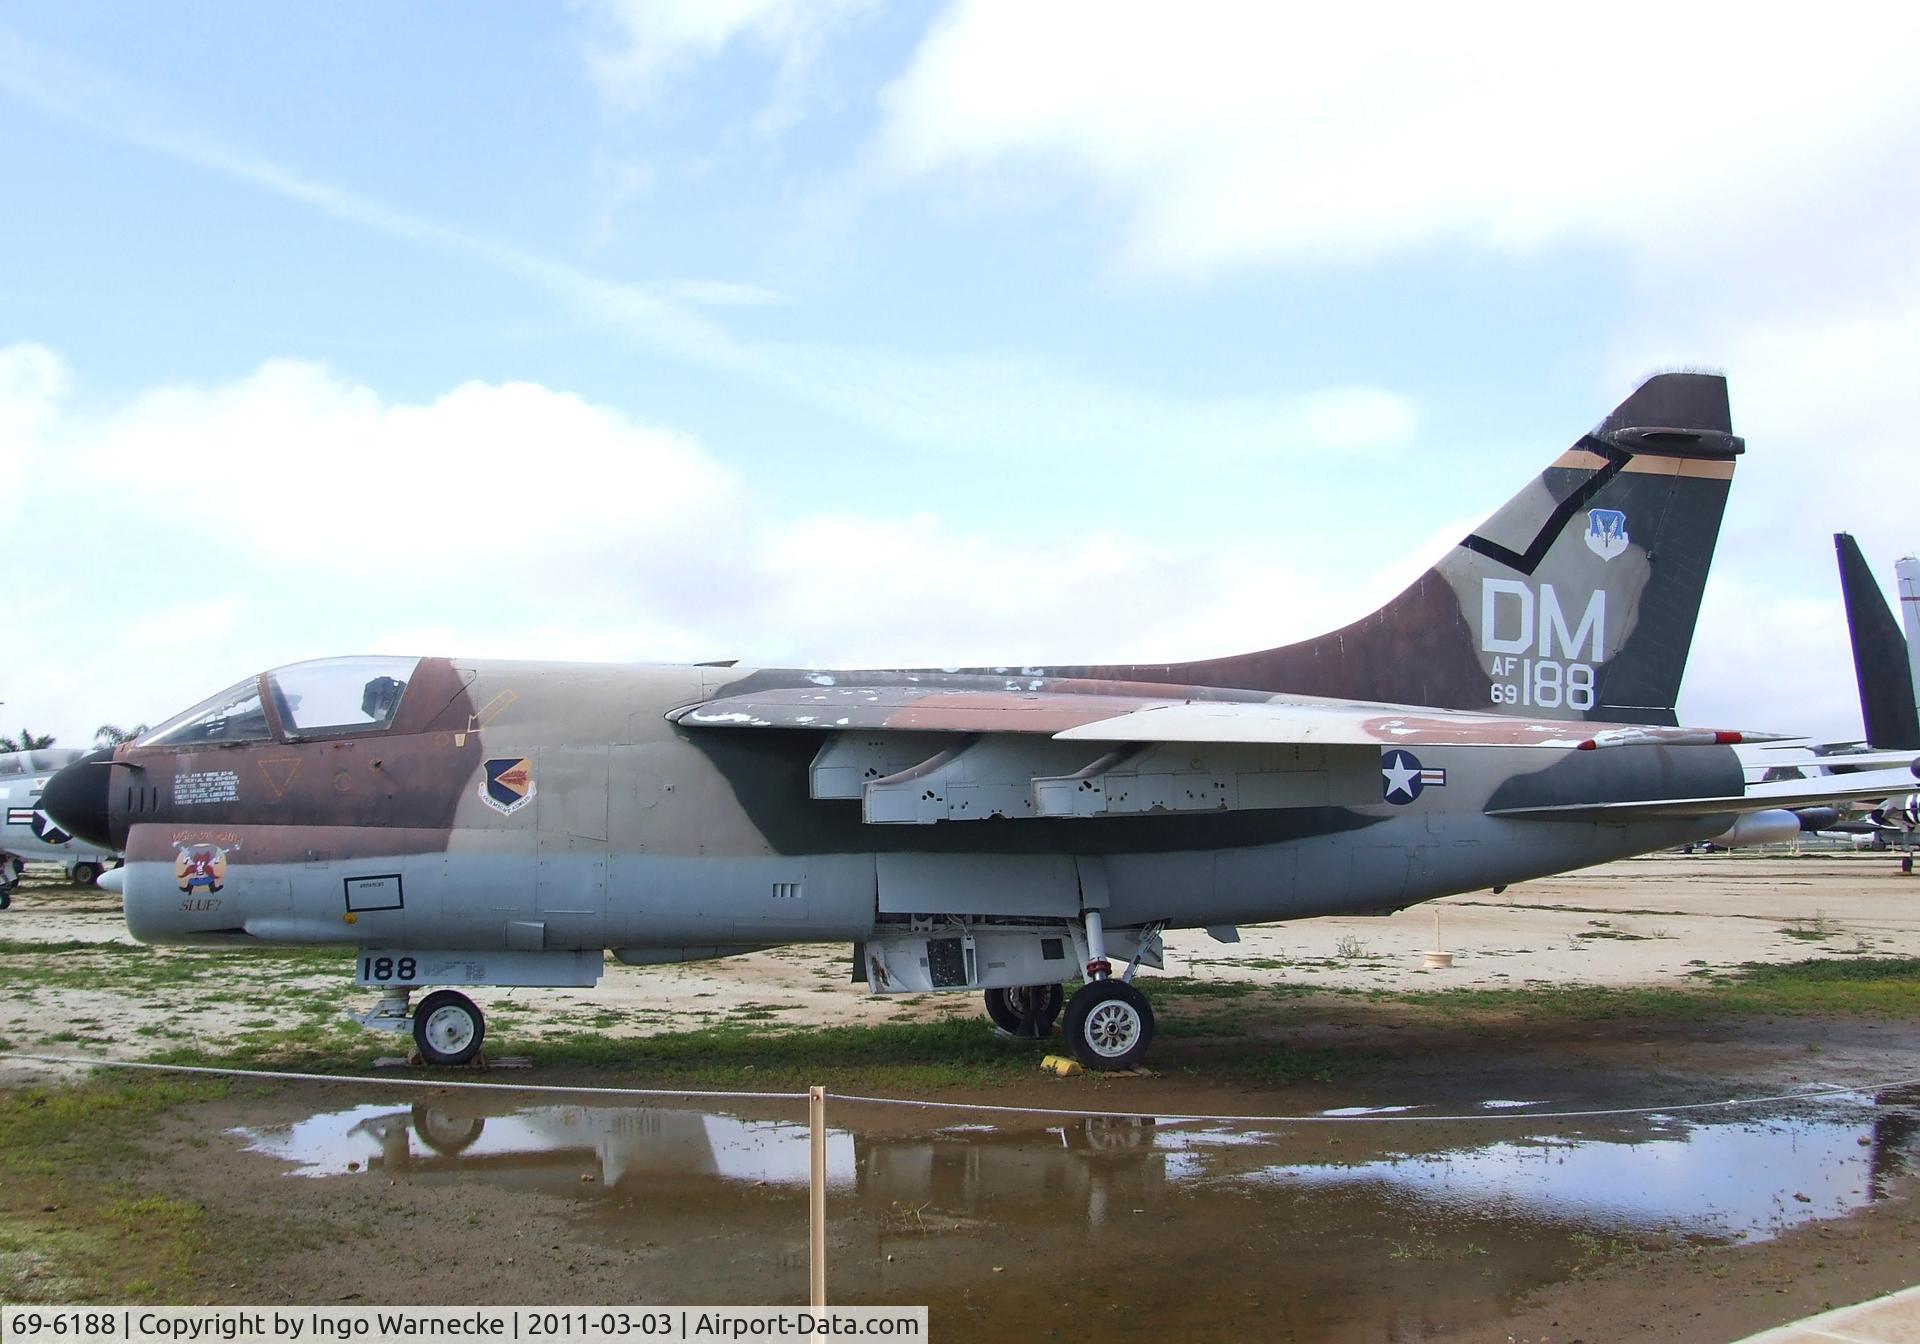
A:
(668, 812)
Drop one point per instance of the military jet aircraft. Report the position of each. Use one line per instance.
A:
(28, 832)
(468, 822)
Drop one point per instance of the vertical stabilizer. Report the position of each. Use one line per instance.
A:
(1575, 600)
(1882, 663)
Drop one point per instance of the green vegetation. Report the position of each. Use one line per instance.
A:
(74, 1223)
(1884, 986)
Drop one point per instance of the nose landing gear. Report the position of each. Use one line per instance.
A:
(448, 1027)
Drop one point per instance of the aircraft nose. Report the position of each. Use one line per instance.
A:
(76, 797)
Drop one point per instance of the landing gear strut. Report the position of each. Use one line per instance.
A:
(1109, 1023)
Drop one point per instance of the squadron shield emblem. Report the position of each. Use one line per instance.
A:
(506, 784)
(1606, 532)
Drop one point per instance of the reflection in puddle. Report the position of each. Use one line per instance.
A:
(1749, 1179)
(1746, 1178)
(610, 1143)
(1230, 1231)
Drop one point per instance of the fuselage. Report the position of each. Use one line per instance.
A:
(539, 806)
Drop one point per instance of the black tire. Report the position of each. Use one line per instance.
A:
(6, 897)
(1109, 1025)
(447, 1135)
(1025, 1010)
(85, 874)
(448, 1028)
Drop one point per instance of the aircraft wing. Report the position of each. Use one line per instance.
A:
(1078, 716)
(1786, 793)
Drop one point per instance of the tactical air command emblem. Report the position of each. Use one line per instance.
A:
(1606, 532)
(506, 784)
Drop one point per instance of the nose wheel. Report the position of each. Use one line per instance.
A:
(1109, 1024)
(448, 1028)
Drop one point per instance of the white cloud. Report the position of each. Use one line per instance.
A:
(294, 461)
(639, 45)
(33, 383)
(1235, 134)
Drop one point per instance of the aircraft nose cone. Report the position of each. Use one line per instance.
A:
(76, 797)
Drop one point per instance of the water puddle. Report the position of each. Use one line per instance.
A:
(1726, 1177)
(1013, 1223)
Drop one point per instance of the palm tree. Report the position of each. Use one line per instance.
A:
(27, 741)
(113, 735)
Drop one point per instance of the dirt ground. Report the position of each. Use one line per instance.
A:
(1677, 1225)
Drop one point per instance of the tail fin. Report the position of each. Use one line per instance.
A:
(1881, 659)
(1578, 598)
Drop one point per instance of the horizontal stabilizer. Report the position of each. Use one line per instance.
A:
(1788, 793)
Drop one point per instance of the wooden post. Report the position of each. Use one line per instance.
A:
(817, 1198)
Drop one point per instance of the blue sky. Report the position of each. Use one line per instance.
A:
(837, 332)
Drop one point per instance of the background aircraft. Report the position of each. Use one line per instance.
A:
(1887, 669)
(28, 832)
(992, 829)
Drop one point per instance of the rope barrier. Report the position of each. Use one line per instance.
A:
(1508, 1116)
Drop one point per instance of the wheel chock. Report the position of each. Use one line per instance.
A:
(1061, 1065)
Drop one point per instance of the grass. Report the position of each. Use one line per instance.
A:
(74, 1222)
(1878, 986)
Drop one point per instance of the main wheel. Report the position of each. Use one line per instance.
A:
(448, 1028)
(1025, 1010)
(1109, 1025)
(86, 874)
(6, 897)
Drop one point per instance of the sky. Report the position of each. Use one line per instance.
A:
(831, 332)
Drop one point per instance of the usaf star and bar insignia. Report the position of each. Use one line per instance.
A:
(1403, 778)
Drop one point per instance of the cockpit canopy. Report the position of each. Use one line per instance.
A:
(39, 761)
(327, 697)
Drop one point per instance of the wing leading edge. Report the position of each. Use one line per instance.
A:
(1081, 716)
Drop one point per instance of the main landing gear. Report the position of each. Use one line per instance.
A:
(1109, 1023)
(1028, 1011)
(448, 1027)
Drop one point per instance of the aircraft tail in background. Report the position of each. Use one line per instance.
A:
(1884, 664)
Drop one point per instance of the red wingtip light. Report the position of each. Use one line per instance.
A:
(1726, 739)
(1588, 745)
